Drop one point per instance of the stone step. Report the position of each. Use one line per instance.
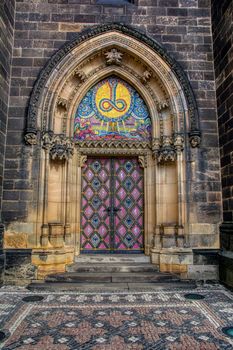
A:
(112, 267)
(111, 287)
(112, 258)
(88, 277)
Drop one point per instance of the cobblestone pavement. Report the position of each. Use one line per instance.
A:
(115, 321)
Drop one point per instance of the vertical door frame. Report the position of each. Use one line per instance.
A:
(147, 162)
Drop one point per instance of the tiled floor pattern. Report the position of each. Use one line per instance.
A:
(116, 321)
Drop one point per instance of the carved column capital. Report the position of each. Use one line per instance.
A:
(62, 148)
(165, 150)
(59, 146)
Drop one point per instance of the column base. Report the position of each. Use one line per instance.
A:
(49, 261)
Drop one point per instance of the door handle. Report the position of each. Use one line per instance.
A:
(112, 210)
(116, 209)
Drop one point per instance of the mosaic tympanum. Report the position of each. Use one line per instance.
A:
(112, 109)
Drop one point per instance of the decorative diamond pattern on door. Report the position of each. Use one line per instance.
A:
(112, 206)
(95, 221)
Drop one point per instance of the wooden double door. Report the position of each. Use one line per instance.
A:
(112, 206)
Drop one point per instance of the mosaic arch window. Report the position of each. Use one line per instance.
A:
(112, 109)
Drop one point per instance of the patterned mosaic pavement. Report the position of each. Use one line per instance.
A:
(115, 321)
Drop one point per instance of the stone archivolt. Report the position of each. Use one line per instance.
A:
(110, 50)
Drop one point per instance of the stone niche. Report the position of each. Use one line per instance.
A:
(170, 220)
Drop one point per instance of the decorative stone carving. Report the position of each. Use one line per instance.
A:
(156, 146)
(146, 76)
(113, 56)
(59, 146)
(122, 144)
(162, 105)
(62, 102)
(47, 139)
(143, 161)
(30, 138)
(81, 160)
(195, 138)
(179, 143)
(81, 74)
(166, 149)
(62, 148)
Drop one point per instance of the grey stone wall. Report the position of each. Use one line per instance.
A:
(182, 26)
(222, 13)
(6, 46)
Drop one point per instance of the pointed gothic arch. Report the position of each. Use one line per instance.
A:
(96, 54)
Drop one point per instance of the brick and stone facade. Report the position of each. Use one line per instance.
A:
(7, 11)
(183, 28)
(222, 13)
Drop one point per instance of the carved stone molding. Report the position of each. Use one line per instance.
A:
(114, 57)
(113, 152)
(59, 146)
(165, 150)
(114, 144)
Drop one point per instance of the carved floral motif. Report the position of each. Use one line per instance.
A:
(59, 146)
(113, 56)
(165, 150)
(146, 76)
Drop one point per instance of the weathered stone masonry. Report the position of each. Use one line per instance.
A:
(222, 12)
(183, 27)
(7, 10)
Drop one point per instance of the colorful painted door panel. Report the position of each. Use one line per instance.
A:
(112, 206)
(95, 221)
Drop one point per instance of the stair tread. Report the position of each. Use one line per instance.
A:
(104, 274)
(111, 286)
(113, 263)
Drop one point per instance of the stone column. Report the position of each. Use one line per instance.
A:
(45, 226)
(179, 146)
